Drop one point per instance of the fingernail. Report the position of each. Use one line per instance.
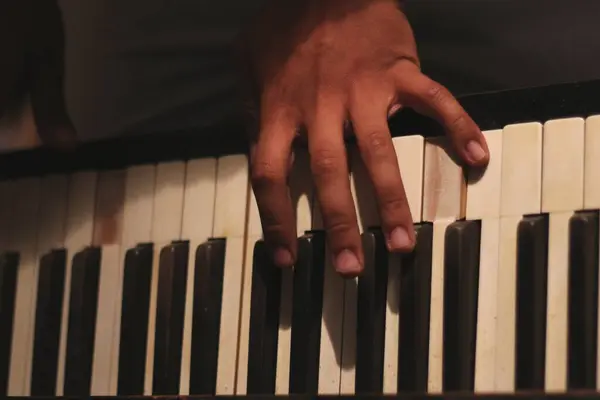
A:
(347, 263)
(475, 150)
(283, 258)
(400, 239)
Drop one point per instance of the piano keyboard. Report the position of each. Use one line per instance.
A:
(152, 279)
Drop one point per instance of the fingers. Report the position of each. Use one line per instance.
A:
(432, 99)
(329, 167)
(377, 151)
(46, 69)
(269, 167)
(14, 20)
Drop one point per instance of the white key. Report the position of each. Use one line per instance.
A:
(520, 195)
(443, 203)
(483, 203)
(562, 194)
(365, 203)
(591, 190)
(591, 198)
(79, 232)
(53, 212)
(25, 218)
(332, 319)
(166, 227)
(137, 228)
(409, 152)
(254, 235)
(52, 220)
(301, 191)
(108, 225)
(197, 227)
(230, 212)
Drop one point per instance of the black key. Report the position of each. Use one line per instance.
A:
(532, 278)
(134, 320)
(9, 263)
(48, 318)
(583, 301)
(415, 299)
(170, 312)
(206, 319)
(461, 283)
(264, 322)
(307, 307)
(83, 303)
(370, 315)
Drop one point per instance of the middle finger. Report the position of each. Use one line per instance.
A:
(369, 118)
(329, 167)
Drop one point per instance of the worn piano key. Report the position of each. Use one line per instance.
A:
(483, 203)
(206, 318)
(302, 195)
(78, 235)
(306, 314)
(443, 203)
(370, 315)
(264, 322)
(520, 195)
(167, 216)
(367, 213)
(197, 226)
(108, 229)
(415, 296)
(461, 282)
(230, 210)
(25, 223)
(531, 290)
(81, 326)
(583, 301)
(591, 189)
(170, 310)
(50, 290)
(9, 263)
(562, 193)
(134, 320)
(409, 154)
(140, 185)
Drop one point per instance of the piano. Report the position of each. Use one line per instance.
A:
(135, 267)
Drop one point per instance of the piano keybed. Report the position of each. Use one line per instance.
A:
(152, 279)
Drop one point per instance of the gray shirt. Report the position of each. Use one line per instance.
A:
(153, 66)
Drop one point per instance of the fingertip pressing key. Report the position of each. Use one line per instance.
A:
(400, 239)
(476, 151)
(283, 258)
(346, 263)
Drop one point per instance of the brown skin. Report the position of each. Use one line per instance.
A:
(325, 62)
(314, 64)
(32, 42)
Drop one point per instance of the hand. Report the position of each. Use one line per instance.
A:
(316, 66)
(31, 39)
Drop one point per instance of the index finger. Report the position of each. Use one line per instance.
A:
(430, 98)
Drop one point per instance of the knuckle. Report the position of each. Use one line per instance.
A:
(339, 225)
(377, 143)
(339, 228)
(325, 162)
(437, 93)
(273, 230)
(459, 123)
(266, 174)
(394, 206)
